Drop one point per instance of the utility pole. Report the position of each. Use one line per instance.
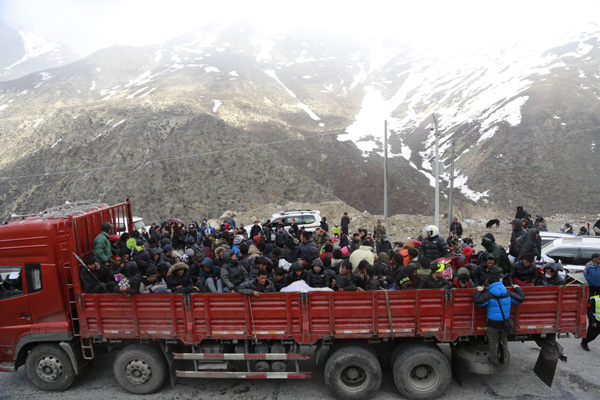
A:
(385, 161)
(437, 172)
(451, 184)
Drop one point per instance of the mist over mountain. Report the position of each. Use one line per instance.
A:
(231, 117)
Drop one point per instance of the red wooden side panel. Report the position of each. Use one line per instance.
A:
(220, 316)
(143, 316)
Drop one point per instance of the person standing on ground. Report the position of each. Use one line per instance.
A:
(591, 272)
(498, 301)
(345, 223)
(378, 231)
(456, 227)
(593, 313)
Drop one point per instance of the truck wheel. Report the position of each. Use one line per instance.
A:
(420, 371)
(49, 368)
(140, 369)
(353, 372)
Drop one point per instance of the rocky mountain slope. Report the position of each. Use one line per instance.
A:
(232, 117)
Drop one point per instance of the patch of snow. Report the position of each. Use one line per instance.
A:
(109, 121)
(487, 134)
(37, 122)
(93, 85)
(157, 55)
(322, 124)
(55, 143)
(35, 46)
(147, 93)
(131, 96)
(177, 66)
(118, 123)
(22, 93)
(460, 182)
(233, 73)
(75, 117)
(307, 76)
(45, 76)
(211, 69)
(220, 49)
(510, 112)
(3, 106)
(272, 74)
(217, 104)
(97, 136)
(556, 117)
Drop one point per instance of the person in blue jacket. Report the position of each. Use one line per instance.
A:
(495, 297)
(591, 272)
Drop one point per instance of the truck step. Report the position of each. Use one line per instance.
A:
(240, 356)
(243, 375)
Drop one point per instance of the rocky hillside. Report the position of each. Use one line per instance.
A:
(230, 117)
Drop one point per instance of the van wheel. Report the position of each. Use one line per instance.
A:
(140, 369)
(49, 368)
(353, 372)
(420, 371)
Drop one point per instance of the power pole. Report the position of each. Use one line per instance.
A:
(437, 172)
(451, 184)
(385, 160)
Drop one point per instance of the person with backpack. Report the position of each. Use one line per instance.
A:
(498, 301)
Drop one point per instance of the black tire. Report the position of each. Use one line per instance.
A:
(421, 371)
(140, 369)
(353, 372)
(49, 368)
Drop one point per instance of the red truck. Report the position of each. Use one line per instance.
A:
(51, 327)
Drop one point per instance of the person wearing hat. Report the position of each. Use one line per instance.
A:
(102, 246)
(336, 231)
(551, 276)
(342, 284)
(435, 280)
(190, 243)
(237, 240)
(481, 273)
(384, 245)
(591, 272)
(316, 277)
(378, 231)
(498, 301)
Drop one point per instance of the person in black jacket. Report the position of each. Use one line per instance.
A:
(530, 243)
(279, 279)
(435, 280)
(432, 247)
(179, 281)
(94, 277)
(255, 230)
(517, 232)
(407, 278)
(456, 227)
(324, 224)
(130, 279)
(373, 281)
(297, 273)
(551, 276)
(256, 287)
(317, 277)
(524, 272)
(481, 274)
(280, 237)
(345, 223)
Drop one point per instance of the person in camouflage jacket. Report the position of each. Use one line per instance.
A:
(378, 231)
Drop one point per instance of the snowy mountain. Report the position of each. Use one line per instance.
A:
(24, 53)
(233, 116)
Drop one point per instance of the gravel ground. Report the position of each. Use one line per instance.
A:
(577, 379)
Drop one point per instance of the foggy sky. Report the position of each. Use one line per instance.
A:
(88, 25)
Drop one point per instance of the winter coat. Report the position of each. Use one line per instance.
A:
(344, 240)
(406, 279)
(250, 286)
(591, 272)
(102, 248)
(345, 222)
(384, 247)
(232, 272)
(498, 251)
(317, 280)
(292, 277)
(362, 253)
(281, 284)
(488, 299)
(354, 245)
(214, 273)
(530, 243)
(289, 252)
(433, 248)
(456, 228)
(480, 275)
(428, 282)
(556, 280)
(523, 273)
(280, 238)
(89, 282)
(132, 273)
(308, 247)
(374, 284)
(185, 281)
(147, 287)
(517, 232)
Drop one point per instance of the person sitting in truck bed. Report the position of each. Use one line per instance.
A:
(279, 279)
(524, 272)
(316, 277)
(343, 284)
(153, 283)
(94, 277)
(551, 276)
(435, 280)
(179, 281)
(463, 281)
(407, 278)
(210, 275)
(233, 274)
(262, 263)
(481, 273)
(346, 270)
(129, 281)
(297, 272)
(257, 286)
(373, 282)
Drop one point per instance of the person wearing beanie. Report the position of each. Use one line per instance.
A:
(498, 301)
(342, 284)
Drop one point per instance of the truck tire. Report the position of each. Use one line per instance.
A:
(49, 368)
(420, 371)
(140, 369)
(353, 372)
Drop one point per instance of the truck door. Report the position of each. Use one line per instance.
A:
(15, 315)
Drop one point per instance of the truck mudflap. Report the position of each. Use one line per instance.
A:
(550, 353)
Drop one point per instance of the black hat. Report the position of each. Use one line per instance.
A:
(495, 274)
(342, 282)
